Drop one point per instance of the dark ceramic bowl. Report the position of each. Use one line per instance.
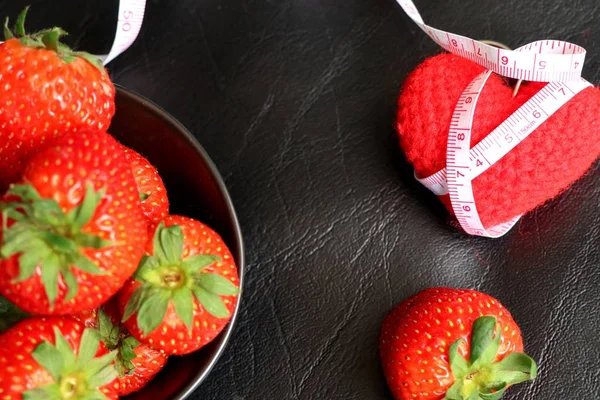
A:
(196, 190)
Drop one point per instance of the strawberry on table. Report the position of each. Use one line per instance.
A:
(452, 344)
(185, 289)
(73, 229)
(153, 193)
(55, 358)
(48, 90)
(136, 363)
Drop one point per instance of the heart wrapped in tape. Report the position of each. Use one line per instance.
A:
(538, 169)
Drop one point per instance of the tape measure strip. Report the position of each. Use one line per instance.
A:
(542, 61)
(129, 24)
(508, 134)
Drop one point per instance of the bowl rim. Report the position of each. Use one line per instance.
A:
(192, 141)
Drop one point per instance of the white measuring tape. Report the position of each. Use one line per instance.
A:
(536, 64)
(129, 23)
(545, 61)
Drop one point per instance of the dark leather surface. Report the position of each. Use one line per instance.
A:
(295, 102)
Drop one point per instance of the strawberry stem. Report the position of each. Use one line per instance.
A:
(43, 236)
(480, 377)
(166, 276)
(76, 376)
(48, 39)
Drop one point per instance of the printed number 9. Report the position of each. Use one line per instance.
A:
(504, 60)
(467, 208)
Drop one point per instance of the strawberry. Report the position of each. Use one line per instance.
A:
(136, 363)
(140, 365)
(54, 358)
(48, 90)
(153, 193)
(185, 289)
(452, 344)
(73, 228)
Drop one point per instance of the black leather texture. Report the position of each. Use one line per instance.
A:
(295, 102)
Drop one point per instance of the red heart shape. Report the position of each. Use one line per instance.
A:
(547, 162)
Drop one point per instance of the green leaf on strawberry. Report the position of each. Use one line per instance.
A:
(48, 39)
(481, 378)
(167, 277)
(43, 235)
(75, 376)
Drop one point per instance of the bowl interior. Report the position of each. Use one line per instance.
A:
(195, 190)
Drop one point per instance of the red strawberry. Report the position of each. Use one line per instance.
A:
(452, 344)
(153, 193)
(184, 291)
(48, 90)
(54, 358)
(136, 363)
(76, 231)
(141, 367)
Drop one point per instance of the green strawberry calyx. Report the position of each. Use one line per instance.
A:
(115, 338)
(167, 277)
(76, 376)
(45, 237)
(48, 39)
(480, 378)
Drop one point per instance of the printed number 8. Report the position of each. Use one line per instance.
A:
(454, 43)
(461, 136)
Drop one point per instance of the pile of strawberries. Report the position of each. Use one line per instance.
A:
(101, 283)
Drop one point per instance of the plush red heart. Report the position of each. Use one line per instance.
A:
(547, 162)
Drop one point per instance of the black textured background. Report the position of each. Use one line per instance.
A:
(295, 102)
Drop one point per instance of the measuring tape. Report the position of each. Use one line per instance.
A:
(536, 64)
(557, 62)
(129, 23)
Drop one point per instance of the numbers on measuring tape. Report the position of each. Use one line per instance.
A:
(492, 148)
(130, 19)
(127, 15)
(542, 61)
